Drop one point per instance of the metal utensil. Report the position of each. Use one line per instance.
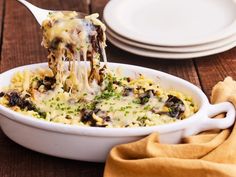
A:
(41, 14)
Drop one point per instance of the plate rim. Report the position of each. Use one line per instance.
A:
(196, 48)
(109, 12)
(168, 55)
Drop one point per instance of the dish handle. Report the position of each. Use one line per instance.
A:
(209, 123)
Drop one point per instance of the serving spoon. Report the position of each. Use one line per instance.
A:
(41, 14)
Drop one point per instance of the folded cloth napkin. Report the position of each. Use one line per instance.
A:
(209, 154)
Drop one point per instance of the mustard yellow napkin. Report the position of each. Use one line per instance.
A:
(209, 154)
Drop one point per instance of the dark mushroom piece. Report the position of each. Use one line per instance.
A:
(15, 99)
(127, 91)
(176, 106)
(88, 118)
(47, 82)
(2, 94)
(144, 97)
(55, 43)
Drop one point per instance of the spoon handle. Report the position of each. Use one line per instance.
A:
(39, 14)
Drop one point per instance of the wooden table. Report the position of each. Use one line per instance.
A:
(20, 44)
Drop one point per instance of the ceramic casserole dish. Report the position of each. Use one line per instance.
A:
(93, 143)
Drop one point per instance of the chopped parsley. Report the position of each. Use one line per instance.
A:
(148, 107)
(137, 101)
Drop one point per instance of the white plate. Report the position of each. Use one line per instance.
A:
(172, 22)
(167, 55)
(195, 48)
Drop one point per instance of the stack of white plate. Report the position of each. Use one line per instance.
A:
(174, 29)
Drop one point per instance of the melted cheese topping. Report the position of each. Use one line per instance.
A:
(118, 101)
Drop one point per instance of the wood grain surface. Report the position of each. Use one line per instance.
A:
(212, 69)
(20, 43)
(2, 5)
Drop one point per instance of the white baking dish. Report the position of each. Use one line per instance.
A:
(94, 143)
